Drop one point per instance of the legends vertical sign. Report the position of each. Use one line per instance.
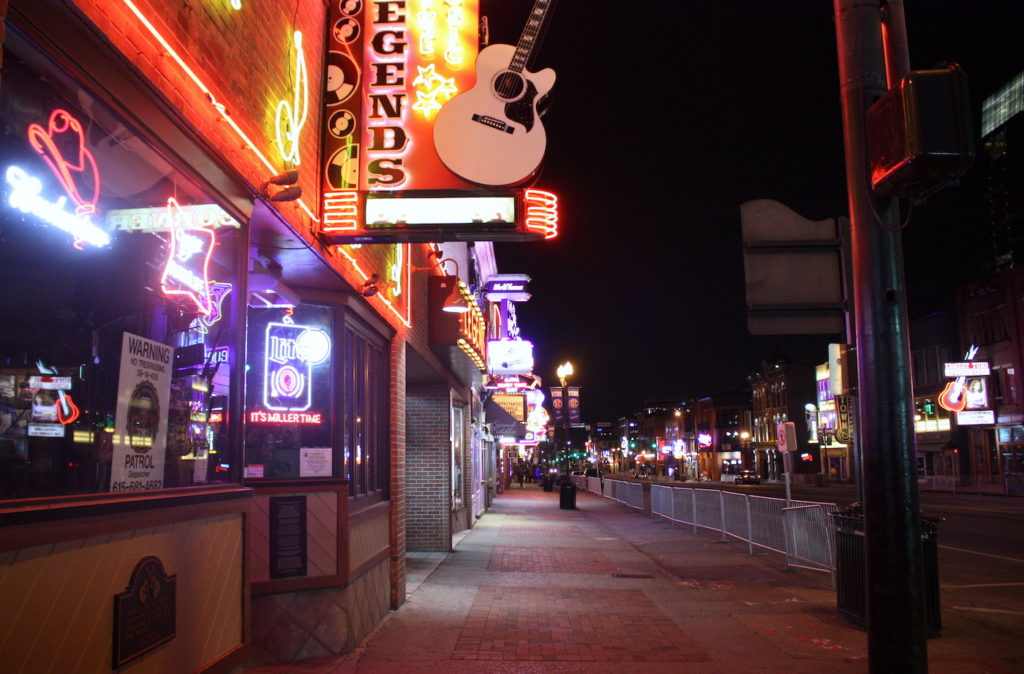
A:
(140, 426)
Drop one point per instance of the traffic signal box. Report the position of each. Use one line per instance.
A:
(919, 137)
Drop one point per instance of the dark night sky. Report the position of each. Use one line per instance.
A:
(666, 116)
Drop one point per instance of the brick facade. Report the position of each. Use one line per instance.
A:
(397, 539)
(428, 468)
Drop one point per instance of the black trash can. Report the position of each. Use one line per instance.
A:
(851, 593)
(548, 483)
(567, 496)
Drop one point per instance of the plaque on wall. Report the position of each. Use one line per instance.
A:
(287, 536)
(145, 613)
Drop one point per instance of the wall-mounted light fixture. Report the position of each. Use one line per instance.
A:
(287, 180)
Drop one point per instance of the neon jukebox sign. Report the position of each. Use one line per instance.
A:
(293, 355)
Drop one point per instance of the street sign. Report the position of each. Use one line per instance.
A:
(793, 273)
(786, 432)
(844, 419)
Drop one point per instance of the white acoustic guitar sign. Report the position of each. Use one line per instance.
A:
(491, 134)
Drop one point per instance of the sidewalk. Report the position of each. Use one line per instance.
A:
(532, 588)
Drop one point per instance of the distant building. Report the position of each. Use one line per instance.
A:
(780, 392)
(720, 424)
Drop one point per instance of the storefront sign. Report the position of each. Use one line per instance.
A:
(287, 536)
(50, 383)
(513, 404)
(511, 287)
(844, 419)
(967, 369)
(145, 614)
(976, 418)
(508, 356)
(26, 196)
(45, 430)
(189, 216)
(140, 435)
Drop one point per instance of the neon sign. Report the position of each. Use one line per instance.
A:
(177, 278)
(76, 172)
(25, 196)
(218, 291)
(341, 211)
(261, 417)
(432, 89)
(472, 329)
(542, 212)
(291, 117)
(291, 352)
(386, 97)
(148, 220)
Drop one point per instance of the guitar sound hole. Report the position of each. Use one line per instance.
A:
(508, 85)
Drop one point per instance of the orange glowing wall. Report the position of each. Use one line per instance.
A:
(226, 71)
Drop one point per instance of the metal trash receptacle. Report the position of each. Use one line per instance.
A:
(567, 496)
(851, 591)
(548, 483)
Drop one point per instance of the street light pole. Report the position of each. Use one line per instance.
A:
(564, 371)
(872, 60)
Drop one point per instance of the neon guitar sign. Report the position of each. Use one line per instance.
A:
(491, 134)
(953, 398)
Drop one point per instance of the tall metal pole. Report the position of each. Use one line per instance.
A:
(893, 555)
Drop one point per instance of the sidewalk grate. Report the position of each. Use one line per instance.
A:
(632, 575)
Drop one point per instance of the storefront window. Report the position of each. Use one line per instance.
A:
(288, 392)
(364, 410)
(119, 287)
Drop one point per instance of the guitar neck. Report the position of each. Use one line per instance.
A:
(530, 36)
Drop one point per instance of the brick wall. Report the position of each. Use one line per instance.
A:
(398, 505)
(428, 468)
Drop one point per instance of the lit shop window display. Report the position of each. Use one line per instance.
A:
(288, 393)
(119, 278)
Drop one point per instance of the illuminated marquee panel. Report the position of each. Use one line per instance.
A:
(434, 216)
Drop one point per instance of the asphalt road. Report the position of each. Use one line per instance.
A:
(981, 549)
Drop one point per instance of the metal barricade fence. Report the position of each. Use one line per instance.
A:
(661, 501)
(766, 524)
(810, 537)
(800, 531)
(594, 485)
(736, 515)
(708, 509)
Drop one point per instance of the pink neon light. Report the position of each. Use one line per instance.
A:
(202, 298)
(542, 212)
(72, 172)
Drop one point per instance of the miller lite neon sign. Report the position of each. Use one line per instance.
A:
(292, 351)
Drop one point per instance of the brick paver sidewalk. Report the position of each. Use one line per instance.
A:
(533, 588)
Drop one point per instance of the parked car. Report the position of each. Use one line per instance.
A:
(748, 477)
